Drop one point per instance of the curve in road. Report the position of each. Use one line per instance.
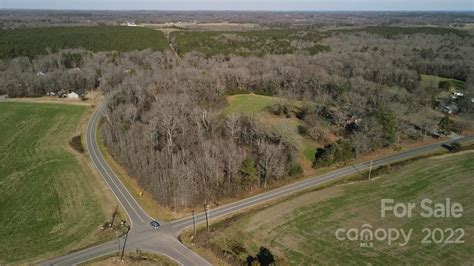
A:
(164, 240)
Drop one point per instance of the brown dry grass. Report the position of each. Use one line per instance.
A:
(131, 259)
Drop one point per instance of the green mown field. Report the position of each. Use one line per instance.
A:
(48, 203)
(249, 103)
(37, 41)
(301, 230)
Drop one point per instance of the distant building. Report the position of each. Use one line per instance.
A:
(131, 24)
(73, 95)
(77, 94)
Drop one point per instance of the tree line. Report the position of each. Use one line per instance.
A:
(31, 42)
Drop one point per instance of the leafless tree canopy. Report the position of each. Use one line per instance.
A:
(164, 121)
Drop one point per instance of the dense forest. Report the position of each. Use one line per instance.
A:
(258, 43)
(164, 120)
(39, 41)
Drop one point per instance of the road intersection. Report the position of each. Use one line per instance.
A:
(165, 241)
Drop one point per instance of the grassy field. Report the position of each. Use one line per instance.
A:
(258, 43)
(452, 83)
(302, 229)
(50, 203)
(36, 41)
(249, 103)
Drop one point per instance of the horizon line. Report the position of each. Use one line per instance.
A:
(237, 10)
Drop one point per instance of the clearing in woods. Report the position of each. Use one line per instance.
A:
(286, 126)
(451, 83)
(50, 203)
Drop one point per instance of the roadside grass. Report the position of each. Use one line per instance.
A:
(50, 203)
(302, 229)
(132, 258)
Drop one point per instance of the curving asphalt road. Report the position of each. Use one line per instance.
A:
(164, 241)
(141, 236)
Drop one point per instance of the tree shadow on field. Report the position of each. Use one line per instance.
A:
(264, 258)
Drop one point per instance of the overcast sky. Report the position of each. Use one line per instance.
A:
(306, 5)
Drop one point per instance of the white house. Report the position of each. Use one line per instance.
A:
(73, 95)
(131, 24)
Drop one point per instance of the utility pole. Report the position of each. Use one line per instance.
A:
(124, 242)
(207, 217)
(370, 169)
(194, 224)
(118, 241)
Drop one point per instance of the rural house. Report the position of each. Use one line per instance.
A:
(77, 94)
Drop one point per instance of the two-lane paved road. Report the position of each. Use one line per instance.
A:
(141, 236)
(181, 224)
(164, 240)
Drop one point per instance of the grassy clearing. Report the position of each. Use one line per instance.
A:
(36, 41)
(49, 202)
(452, 83)
(309, 150)
(302, 229)
(287, 127)
(249, 103)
